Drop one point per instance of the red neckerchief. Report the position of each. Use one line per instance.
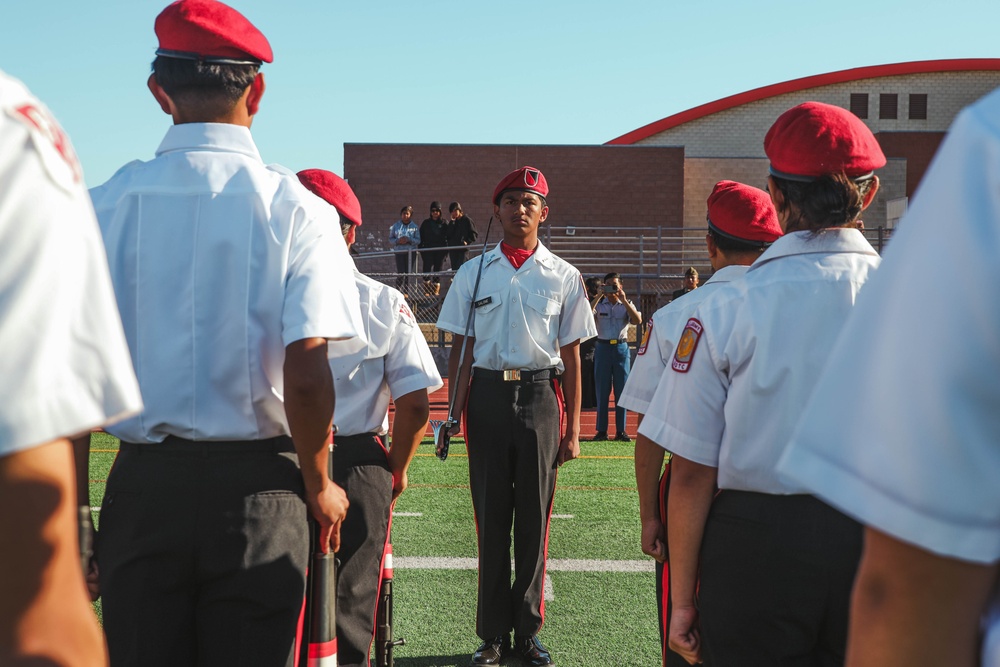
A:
(516, 256)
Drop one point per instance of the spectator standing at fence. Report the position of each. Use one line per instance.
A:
(230, 278)
(614, 313)
(742, 223)
(776, 564)
(588, 390)
(404, 237)
(396, 364)
(66, 369)
(690, 283)
(461, 232)
(433, 237)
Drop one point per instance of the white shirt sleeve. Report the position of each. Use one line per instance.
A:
(576, 321)
(647, 369)
(65, 364)
(455, 309)
(321, 297)
(687, 412)
(903, 430)
(409, 365)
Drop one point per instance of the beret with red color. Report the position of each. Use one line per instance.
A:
(743, 213)
(814, 139)
(334, 190)
(527, 179)
(210, 31)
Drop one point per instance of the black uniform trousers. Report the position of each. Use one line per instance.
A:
(202, 553)
(513, 433)
(361, 468)
(776, 579)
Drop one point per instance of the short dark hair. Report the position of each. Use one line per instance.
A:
(405, 209)
(345, 226)
(613, 276)
(833, 200)
(731, 245)
(205, 90)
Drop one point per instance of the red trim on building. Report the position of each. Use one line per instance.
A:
(796, 85)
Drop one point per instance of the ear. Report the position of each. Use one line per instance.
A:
(778, 199)
(160, 95)
(255, 94)
(496, 211)
(545, 214)
(871, 193)
(713, 249)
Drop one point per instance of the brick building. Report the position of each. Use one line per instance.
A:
(662, 173)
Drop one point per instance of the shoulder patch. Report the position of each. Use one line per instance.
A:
(687, 345)
(645, 338)
(406, 312)
(484, 302)
(53, 145)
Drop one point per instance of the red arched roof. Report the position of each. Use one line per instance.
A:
(795, 85)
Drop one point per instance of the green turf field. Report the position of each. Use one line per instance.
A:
(600, 607)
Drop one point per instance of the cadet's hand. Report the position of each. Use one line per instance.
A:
(399, 484)
(328, 508)
(91, 576)
(654, 542)
(685, 636)
(569, 449)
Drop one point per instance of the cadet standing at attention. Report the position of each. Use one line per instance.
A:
(530, 314)
(742, 224)
(775, 563)
(396, 363)
(231, 277)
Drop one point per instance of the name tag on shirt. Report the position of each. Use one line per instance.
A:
(484, 302)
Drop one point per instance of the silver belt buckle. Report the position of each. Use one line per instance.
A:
(512, 376)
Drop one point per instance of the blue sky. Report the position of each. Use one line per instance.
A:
(445, 71)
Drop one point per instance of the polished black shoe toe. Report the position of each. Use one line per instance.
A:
(623, 437)
(491, 651)
(600, 436)
(532, 652)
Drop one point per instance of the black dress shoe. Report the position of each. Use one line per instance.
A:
(532, 652)
(600, 436)
(623, 437)
(491, 651)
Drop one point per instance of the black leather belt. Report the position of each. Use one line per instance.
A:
(516, 375)
(173, 444)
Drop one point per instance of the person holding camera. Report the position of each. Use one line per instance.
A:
(613, 313)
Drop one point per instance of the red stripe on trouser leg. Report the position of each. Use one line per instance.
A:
(299, 629)
(548, 518)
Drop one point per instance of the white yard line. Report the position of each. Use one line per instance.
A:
(562, 516)
(554, 564)
(548, 592)
(407, 513)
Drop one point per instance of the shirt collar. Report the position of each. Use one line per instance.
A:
(727, 274)
(834, 240)
(223, 137)
(542, 255)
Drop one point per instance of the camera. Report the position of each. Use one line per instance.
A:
(609, 289)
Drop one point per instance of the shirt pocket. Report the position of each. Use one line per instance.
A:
(541, 312)
(487, 312)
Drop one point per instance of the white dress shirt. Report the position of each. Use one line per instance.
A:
(219, 262)
(522, 317)
(396, 362)
(763, 344)
(653, 355)
(903, 432)
(64, 362)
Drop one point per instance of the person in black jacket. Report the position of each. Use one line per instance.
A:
(433, 235)
(461, 231)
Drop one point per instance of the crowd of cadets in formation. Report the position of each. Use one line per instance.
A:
(215, 354)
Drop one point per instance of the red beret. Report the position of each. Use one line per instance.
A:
(528, 179)
(814, 139)
(210, 31)
(742, 213)
(335, 190)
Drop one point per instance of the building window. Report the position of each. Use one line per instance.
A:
(859, 104)
(887, 106)
(918, 106)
